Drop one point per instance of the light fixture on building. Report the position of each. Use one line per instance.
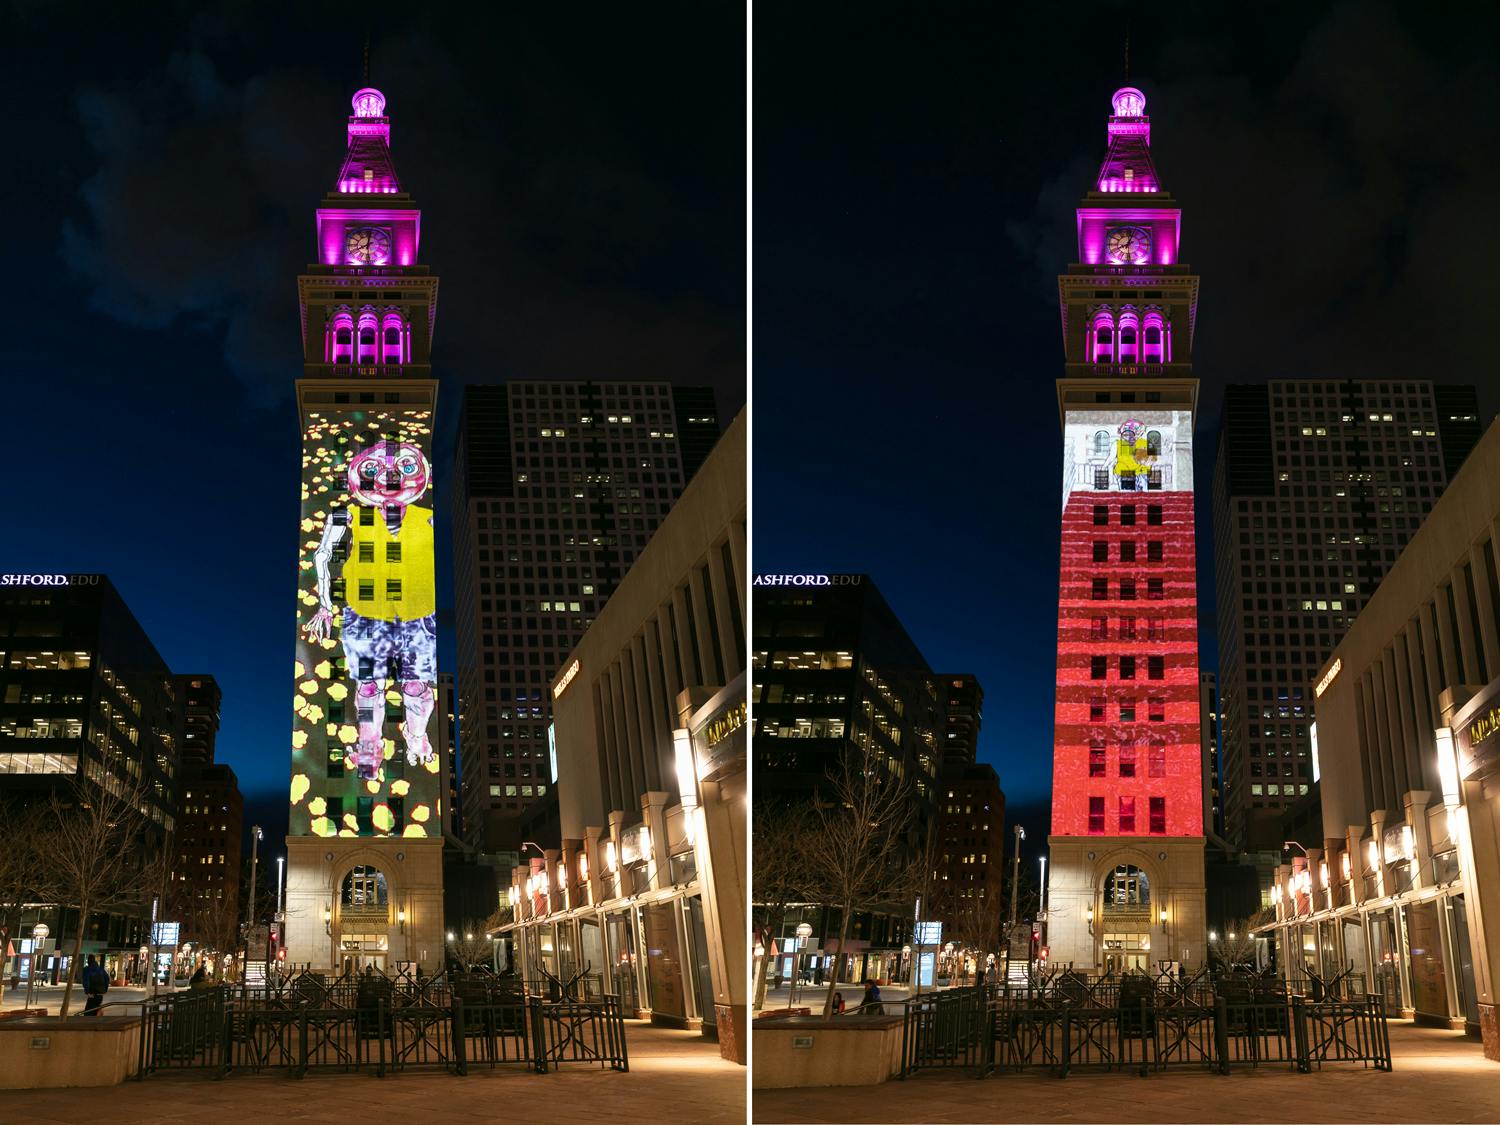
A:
(328, 919)
(583, 867)
(401, 917)
(1344, 861)
(1276, 893)
(687, 781)
(1408, 842)
(1447, 764)
(1323, 873)
(1213, 935)
(1374, 856)
(611, 857)
(1090, 915)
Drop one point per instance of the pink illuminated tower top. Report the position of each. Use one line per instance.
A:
(1128, 165)
(368, 167)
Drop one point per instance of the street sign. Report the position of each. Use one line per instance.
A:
(929, 933)
(40, 931)
(166, 933)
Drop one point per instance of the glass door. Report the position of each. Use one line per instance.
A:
(622, 959)
(592, 951)
(698, 972)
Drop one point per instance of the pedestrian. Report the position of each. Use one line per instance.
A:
(871, 1005)
(838, 1003)
(95, 985)
(199, 979)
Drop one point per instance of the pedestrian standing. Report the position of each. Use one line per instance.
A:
(871, 1005)
(838, 1003)
(95, 985)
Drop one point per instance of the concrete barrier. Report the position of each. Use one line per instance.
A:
(41, 1052)
(811, 1051)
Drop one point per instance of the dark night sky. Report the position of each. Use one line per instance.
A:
(582, 176)
(915, 175)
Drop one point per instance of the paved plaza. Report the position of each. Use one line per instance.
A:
(673, 1074)
(1438, 1076)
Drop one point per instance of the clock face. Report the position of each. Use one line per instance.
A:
(368, 246)
(1130, 246)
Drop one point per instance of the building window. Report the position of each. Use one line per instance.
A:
(1127, 816)
(1127, 515)
(1154, 589)
(1096, 710)
(1156, 667)
(367, 589)
(1098, 667)
(1096, 761)
(1101, 479)
(1127, 759)
(1099, 629)
(367, 552)
(393, 589)
(1101, 515)
(1153, 514)
(1127, 710)
(1101, 551)
(1096, 815)
(1153, 550)
(1127, 482)
(1158, 816)
(1127, 628)
(1127, 667)
(1101, 589)
(1153, 480)
(1127, 551)
(1157, 759)
(1127, 589)
(1156, 710)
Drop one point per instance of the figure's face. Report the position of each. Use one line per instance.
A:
(389, 473)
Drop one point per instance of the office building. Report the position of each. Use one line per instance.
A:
(837, 674)
(1318, 486)
(1404, 886)
(646, 894)
(204, 895)
(558, 487)
(963, 712)
(85, 699)
(1208, 716)
(968, 892)
(199, 697)
(364, 844)
(1126, 883)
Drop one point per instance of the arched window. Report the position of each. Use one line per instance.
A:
(367, 338)
(1126, 888)
(1127, 351)
(390, 348)
(341, 346)
(1153, 443)
(1153, 337)
(365, 887)
(1101, 444)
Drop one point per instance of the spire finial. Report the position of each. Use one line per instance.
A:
(367, 59)
(1127, 52)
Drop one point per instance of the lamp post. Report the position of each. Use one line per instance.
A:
(1015, 881)
(255, 838)
(804, 931)
(1042, 911)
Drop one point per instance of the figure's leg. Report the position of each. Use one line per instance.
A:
(370, 713)
(419, 702)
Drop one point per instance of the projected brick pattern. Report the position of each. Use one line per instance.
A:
(1127, 728)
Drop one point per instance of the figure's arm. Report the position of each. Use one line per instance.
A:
(334, 531)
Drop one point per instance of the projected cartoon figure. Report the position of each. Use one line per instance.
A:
(1133, 452)
(384, 541)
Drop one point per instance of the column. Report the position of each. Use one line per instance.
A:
(593, 847)
(1487, 610)
(654, 816)
(721, 866)
(1416, 802)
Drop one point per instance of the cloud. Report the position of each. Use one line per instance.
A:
(1324, 209)
(566, 248)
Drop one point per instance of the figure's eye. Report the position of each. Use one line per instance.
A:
(368, 470)
(408, 467)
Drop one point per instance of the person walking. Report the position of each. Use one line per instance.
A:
(871, 1005)
(95, 985)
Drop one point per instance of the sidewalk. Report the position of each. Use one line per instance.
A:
(674, 1075)
(50, 996)
(1437, 1076)
(813, 995)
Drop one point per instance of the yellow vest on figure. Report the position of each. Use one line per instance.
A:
(384, 583)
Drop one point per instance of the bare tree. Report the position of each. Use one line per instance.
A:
(105, 853)
(472, 944)
(25, 874)
(976, 925)
(1236, 947)
(860, 847)
(779, 872)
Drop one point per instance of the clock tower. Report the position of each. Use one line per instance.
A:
(364, 850)
(1126, 882)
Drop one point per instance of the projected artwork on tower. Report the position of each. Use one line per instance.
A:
(1126, 752)
(366, 668)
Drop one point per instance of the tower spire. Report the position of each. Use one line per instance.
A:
(366, 81)
(1127, 54)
